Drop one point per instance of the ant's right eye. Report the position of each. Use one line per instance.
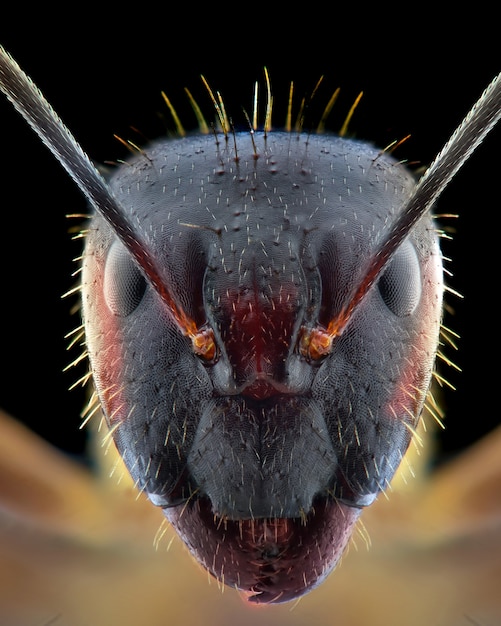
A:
(400, 285)
(124, 284)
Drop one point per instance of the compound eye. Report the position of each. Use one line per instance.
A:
(124, 284)
(400, 285)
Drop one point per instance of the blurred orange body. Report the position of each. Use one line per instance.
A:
(76, 549)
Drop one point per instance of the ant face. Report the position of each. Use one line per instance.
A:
(269, 443)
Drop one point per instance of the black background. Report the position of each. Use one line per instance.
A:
(418, 77)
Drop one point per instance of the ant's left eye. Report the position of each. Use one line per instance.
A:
(124, 285)
(400, 285)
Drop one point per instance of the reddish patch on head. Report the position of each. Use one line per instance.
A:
(258, 336)
(270, 560)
